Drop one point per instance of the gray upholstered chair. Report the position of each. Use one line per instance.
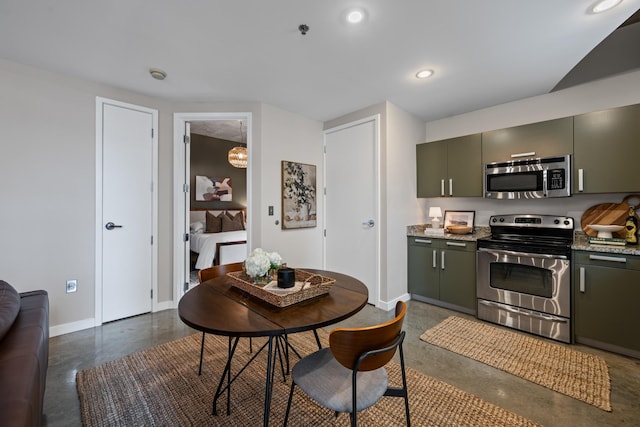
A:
(349, 376)
(211, 273)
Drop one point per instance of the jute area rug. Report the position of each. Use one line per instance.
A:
(161, 387)
(582, 376)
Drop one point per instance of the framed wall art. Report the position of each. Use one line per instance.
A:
(459, 218)
(298, 195)
(213, 189)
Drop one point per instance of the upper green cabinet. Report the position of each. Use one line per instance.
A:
(451, 167)
(606, 151)
(543, 139)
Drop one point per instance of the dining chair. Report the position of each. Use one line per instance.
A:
(211, 273)
(349, 375)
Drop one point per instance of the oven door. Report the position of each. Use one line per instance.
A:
(531, 281)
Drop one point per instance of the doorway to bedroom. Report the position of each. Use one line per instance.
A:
(211, 174)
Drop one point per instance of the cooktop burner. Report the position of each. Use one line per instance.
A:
(530, 233)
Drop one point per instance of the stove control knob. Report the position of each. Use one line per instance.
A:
(567, 222)
(556, 221)
(501, 219)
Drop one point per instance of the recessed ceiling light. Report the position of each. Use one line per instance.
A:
(423, 74)
(157, 74)
(604, 5)
(355, 16)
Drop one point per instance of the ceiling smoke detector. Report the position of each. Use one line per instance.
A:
(303, 28)
(157, 74)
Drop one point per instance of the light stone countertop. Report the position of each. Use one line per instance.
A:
(580, 243)
(478, 232)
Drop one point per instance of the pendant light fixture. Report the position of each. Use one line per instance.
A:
(238, 156)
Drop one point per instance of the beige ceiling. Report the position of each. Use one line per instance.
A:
(483, 53)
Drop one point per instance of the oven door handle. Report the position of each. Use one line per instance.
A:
(524, 312)
(503, 252)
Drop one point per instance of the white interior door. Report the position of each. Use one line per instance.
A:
(351, 232)
(127, 222)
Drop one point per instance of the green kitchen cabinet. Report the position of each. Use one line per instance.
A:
(423, 279)
(443, 272)
(606, 294)
(606, 151)
(536, 140)
(450, 167)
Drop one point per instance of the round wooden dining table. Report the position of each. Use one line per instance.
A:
(217, 307)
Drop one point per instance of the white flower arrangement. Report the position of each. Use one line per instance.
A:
(260, 262)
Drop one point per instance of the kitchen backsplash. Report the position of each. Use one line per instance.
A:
(573, 206)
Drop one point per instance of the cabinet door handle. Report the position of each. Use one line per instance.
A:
(582, 280)
(442, 187)
(458, 244)
(422, 241)
(529, 154)
(607, 258)
(580, 179)
(435, 259)
(451, 186)
(442, 260)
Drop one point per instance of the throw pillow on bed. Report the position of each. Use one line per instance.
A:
(232, 222)
(213, 223)
(9, 307)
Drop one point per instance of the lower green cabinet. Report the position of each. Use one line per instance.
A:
(606, 294)
(443, 272)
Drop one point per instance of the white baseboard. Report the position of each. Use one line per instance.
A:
(390, 305)
(165, 305)
(71, 327)
(67, 328)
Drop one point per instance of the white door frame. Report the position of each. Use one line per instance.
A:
(180, 226)
(98, 220)
(376, 182)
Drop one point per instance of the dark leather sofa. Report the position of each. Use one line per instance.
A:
(24, 355)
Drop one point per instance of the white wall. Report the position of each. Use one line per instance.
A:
(288, 136)
(612, 92)
(47, 184)
(403, 131)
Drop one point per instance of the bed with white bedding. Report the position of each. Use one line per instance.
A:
(217, 237)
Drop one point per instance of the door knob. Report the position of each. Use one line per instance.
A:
(111, 226)
(369, 223)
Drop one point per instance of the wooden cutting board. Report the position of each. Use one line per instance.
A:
(609, 214)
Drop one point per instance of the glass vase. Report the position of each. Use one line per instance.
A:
(262, 280)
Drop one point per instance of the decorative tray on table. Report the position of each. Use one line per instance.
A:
(307, 286)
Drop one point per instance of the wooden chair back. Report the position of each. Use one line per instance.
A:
(218, 270)
(347, 344)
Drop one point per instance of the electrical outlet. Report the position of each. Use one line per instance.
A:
(72, 285)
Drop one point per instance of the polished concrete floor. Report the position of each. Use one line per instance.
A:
(84, 349)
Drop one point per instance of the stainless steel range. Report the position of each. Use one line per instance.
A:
(524, 274)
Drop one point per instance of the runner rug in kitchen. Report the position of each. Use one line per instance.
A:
(553, 365)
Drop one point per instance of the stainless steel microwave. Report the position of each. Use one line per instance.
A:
(528, 179)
